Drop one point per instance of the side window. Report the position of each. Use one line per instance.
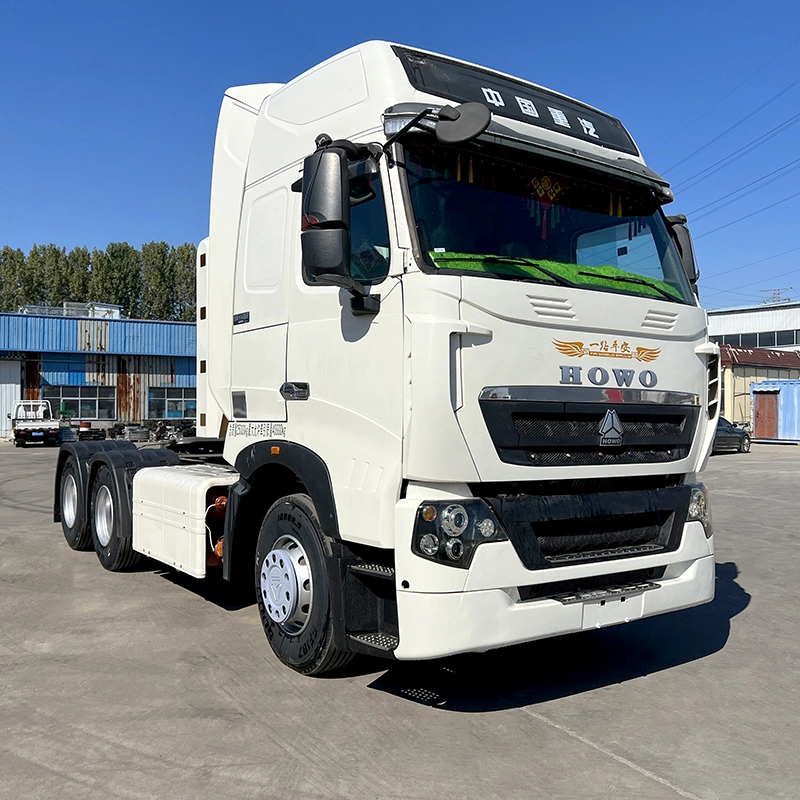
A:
(369, 230)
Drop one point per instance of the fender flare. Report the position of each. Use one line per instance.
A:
(307, 466)
(82, 453)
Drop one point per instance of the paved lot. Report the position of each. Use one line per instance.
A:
(153, 685)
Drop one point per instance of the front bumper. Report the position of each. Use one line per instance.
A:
(433, 625)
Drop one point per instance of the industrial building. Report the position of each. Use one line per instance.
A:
(762, 325)
(744, 369)
(98, 370)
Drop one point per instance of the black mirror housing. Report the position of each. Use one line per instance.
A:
(326, 200)
(326, 251)
(683, 242)
(463, 123)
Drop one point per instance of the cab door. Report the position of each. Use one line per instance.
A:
(352, 366)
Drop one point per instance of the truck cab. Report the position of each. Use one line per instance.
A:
(451, 348)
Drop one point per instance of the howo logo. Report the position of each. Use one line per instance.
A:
(610, 430)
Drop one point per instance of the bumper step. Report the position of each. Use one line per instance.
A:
(373, 571)
(379, 641)
(607, 593)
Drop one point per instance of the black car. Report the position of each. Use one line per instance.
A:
(731, 437)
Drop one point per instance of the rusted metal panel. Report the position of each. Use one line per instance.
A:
(33, 379)
(84, 334)
(100, 336)
(101, 370)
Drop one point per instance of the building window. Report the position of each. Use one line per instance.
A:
(766, 339)
(749, 340)
(82, 402)
(784, 338)
(172, 404)
(732, 338)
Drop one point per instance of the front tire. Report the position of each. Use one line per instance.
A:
(292, 588)
(744, 445)
(114, 547)
(73, 522)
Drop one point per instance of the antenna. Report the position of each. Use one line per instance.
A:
(775, 295)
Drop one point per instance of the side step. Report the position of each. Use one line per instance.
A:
(384, 642)
(373, 571)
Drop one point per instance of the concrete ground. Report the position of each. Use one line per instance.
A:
(153, 685)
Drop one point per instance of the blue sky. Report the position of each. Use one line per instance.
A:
(109, 108)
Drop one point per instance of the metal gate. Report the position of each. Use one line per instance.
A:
(9, 394)
(765, 412)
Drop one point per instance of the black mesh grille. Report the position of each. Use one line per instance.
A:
(551, 529)
(554, 434)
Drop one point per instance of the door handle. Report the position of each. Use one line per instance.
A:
(295, 391)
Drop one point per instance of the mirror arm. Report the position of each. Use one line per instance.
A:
(361, 303)
(392, 139)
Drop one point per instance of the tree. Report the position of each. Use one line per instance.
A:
(159, 266)
(33, 282)
(185, 282)
(101, 280)
(126, 267)
(78, 261)
(12, 265)
(55, 274)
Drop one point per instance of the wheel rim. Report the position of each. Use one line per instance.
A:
(286, 587)
(103, 515)
(745, 445)
(69, 501)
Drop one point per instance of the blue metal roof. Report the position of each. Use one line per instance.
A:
(31, 333)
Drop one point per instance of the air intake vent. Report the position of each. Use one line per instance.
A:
(551, 307)
(713, 386)
(660, 320)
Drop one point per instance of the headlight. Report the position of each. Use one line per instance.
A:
(449, 532)
(700, 508)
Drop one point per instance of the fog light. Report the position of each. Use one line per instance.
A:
(700, 508)
(454, 549)
(429, 544)
(455, 520)
(486, 527)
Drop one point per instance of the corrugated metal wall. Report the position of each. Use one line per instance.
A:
(9, 393)
(30, 333)
(788, 407)
(738, 380)
(132, 375)
(753, 320)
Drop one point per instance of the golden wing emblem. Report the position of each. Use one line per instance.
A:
(569, 348)
(647, 354)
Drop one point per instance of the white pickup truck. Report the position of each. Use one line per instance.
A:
(32, 421)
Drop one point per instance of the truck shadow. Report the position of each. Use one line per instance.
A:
(212, 588)
(553, 668)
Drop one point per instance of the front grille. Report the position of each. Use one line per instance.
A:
(570, 526)
(556, 434)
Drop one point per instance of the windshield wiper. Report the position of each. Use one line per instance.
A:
(627, 279)
(513, 260)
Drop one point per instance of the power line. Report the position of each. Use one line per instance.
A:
(753, 283)
(759, 183)
(748, 216)
(733, 127)
(725, 97)
(737, 154)
(753, 263)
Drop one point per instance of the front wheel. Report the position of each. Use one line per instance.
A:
(744, 445)
(292, 588)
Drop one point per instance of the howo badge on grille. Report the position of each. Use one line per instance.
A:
(610, 430)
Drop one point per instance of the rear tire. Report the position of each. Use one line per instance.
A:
(292, 588)
(744, 445)
(113, 546)
(72, 504)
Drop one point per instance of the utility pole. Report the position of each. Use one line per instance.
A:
(775, 295)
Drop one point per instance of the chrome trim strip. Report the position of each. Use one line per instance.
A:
(587, 394)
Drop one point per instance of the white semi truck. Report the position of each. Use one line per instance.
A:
(454, 383)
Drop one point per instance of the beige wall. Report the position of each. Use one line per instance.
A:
(736, 380)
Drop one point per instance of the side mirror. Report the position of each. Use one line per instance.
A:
(463, 123)
(325, 222)
(8, 415)
(683, 241)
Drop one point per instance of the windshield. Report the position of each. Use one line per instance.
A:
(477, 213)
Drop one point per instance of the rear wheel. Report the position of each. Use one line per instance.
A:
(292, 588)
(73, 520)
(114, 547)
(744, 445)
